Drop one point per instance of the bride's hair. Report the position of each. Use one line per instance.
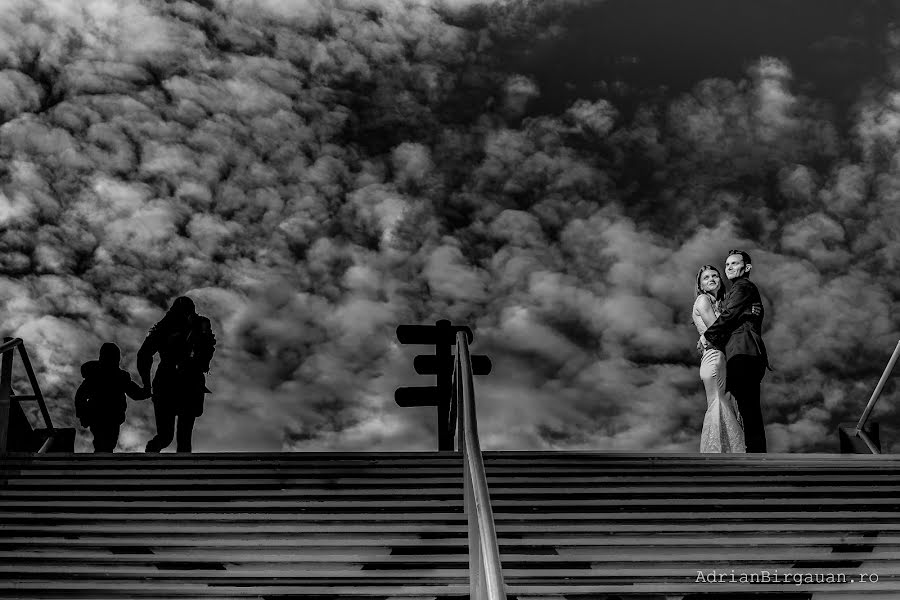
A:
(720, 293)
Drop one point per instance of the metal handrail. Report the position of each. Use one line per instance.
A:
(485, 570)
(860, 426)
(6, 394)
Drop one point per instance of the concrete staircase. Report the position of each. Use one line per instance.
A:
(318, 526)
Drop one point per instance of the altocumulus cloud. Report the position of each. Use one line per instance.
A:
(314, 173)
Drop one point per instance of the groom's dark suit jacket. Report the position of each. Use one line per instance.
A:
(738, 329)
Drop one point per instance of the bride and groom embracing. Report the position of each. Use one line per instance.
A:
(734, 357)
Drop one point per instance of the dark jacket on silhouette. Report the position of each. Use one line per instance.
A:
(738, 329)
(100, 399)
(185, 350)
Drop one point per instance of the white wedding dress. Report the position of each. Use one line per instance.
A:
(723, 428)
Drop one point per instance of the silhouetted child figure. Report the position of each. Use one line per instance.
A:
(100, 400)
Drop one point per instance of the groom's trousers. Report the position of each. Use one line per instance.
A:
(743, 376)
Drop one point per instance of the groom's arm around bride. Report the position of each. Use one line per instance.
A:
(737, 330)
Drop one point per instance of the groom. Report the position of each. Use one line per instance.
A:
(738, 333)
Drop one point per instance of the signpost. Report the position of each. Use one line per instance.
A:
(441, 335)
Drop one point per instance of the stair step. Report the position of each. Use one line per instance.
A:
(570, 525)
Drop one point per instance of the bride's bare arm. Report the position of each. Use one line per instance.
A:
(704, 309)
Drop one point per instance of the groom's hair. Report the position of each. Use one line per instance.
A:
(743, 254)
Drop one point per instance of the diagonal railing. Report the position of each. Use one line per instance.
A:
(860, 426)
(485, 570)
(7, 350)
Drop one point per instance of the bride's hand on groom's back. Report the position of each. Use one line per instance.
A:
(703, 345)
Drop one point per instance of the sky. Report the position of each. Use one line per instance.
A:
(551, 173)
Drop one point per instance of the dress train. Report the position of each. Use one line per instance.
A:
(723, 428)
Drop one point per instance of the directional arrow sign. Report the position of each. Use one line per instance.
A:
(418, 396)
(417, 334)
(481, 364)
(430, 334)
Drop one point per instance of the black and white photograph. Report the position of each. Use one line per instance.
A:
(449, 299)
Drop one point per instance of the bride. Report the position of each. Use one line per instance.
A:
(723, 430)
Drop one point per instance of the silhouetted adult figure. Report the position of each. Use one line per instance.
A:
(737, 332)
(100, 399)
(185, 343)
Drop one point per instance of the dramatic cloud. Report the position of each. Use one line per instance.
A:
(315, 173)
